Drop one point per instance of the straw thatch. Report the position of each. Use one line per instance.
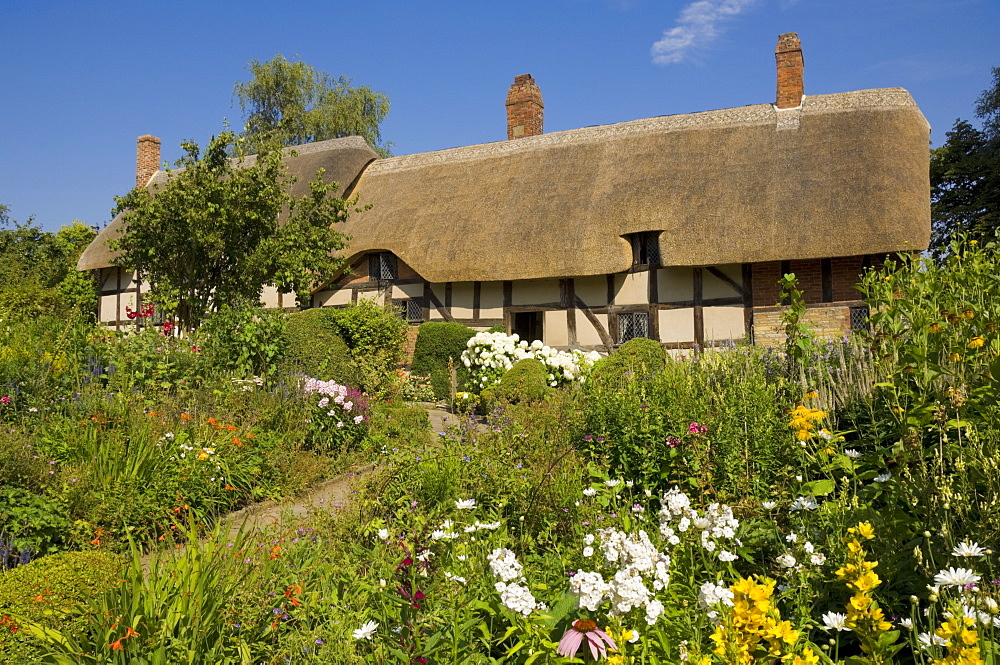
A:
(847, 174)
(342, 161)
(844, 175)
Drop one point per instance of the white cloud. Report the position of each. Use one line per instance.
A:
(697, 25)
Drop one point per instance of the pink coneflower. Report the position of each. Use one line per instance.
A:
(596, 639)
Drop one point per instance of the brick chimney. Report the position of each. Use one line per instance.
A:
(524, 108)
(788, 58)
(147, 159)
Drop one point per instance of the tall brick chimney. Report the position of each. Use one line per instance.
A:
(524, 108)
(147, 159)
(788, 57)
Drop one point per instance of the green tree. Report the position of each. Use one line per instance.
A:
(294, 103)
(965, 177)
(211, 236)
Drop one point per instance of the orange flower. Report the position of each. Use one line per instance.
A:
(275, 552)
(236, 440)
(129, 633)
(117, 645)
(231, 428)
(185, 417)
(229, 487)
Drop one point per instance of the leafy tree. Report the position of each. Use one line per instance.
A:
(38, 269)
(211, 236)
(965, 177)
(294, 103)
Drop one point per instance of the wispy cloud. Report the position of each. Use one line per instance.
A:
(697, 25)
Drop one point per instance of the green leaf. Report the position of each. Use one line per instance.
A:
(818, 487)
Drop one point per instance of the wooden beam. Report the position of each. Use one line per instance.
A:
(444, 311)
(569, 297)
(699, 314)
(611, 289)
(748, 299)
(606, 338)
(477, 297)
(447, 296)
(425, 306)
(508, 293)
(728, 280)
(826, 276)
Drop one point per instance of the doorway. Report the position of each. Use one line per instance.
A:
(527, 325)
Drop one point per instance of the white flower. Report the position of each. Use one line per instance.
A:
(852, 453)
(588, 539)
(518, 598)
(590, 491)
(612, 482)
(727, 556)
(712, 594)
(786, 560)
(956, 577)
(454, 578)
(809, 547)
(768, 505)
(465, 504)
(503, 564)
(792, 537)
(588, 551)
(653, 611)
(383, 534)
(906, 623)
(883, 477)
(804, 503)
(968, 549)
(835, 621)
(927, 640)
(366, 631)
(590, 588)
(817, 559)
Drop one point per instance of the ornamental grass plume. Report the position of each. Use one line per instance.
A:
(752, 628)
(581, 629)
(864, 616)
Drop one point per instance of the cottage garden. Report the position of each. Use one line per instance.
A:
(829, 501)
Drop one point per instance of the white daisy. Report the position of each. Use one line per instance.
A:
(968, 549)
(852, 453)
(768, 505)
(835, 621)
(465, 504)
(956, 577)
(883, 477)
(804, 503)
(366, 631)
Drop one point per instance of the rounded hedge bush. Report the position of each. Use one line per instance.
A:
(437, 341)
(316, 349)
(636, 357)
(45, 592)
(526, 381)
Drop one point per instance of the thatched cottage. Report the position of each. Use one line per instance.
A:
(674, 228)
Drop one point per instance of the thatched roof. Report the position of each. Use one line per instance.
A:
(847, 174)
(343, 160)
(843, 175)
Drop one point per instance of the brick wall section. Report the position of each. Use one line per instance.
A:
(524, 108)
(410, 344)
(846, 274)
(790, 64)
(765, 283)
(830, 322)
(147, 159)
(810, 276)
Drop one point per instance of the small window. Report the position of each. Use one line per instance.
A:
(411, 311)
(859, 319)
(645, 248)
(382, 267)
(632, 325)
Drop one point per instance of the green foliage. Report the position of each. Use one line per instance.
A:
(525, 382)
(38, 270)
(375, 335)
(149, 361)
(639, 356)
(799, 338)
(315, 348)
(295, 104)
(437, 342)
(211, 235)
(32, 521)
(46, 592)
(244, 341)
(965, 177)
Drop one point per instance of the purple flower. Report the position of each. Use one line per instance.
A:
(596, 640)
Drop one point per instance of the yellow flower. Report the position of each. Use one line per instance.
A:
(934, 327)
(803, 435)
(807, 658)
(812, 394)
(615, 660)
(954, 357)
(976, 342)
(863, 529)
(968, 313)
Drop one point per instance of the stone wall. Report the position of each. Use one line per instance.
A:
(829, 322)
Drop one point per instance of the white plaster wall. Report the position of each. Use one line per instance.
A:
(723, 323)
(269, 297)
(491, 300)
(674, 284)
(462, 299)
(632, 289)
(128, 300)
(372, 294)
(535, 292)
(677, 325)
(129, 281)
(592, 290)
(713, 287)
(555, 329)
(407, 291)
(586, 334)
(108, 308)
(333, 298)
(110, 276)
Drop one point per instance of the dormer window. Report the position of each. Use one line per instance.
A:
(382, 267)
(645, 248)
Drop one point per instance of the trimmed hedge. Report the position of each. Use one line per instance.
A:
(436, 343)
(46, 591)
(637, 356)
(316, 349)
(526, 381)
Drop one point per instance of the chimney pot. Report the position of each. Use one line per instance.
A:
(789, 62)
(147, 159)
(524, 108)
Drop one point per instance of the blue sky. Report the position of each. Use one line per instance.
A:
(81, 80)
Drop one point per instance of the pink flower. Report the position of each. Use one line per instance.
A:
(596, 639)
(696, 429)
(5, 399)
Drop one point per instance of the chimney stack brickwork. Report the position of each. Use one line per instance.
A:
(524, 108)
(147, 159)
(789, 61)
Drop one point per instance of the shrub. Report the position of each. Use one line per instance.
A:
(526, 381)
(375, 335)
(636, 356)
(315, 348)
(245, 341)
(436, 343)
(62, 581)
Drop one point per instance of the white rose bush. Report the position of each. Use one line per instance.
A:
(489, 355)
